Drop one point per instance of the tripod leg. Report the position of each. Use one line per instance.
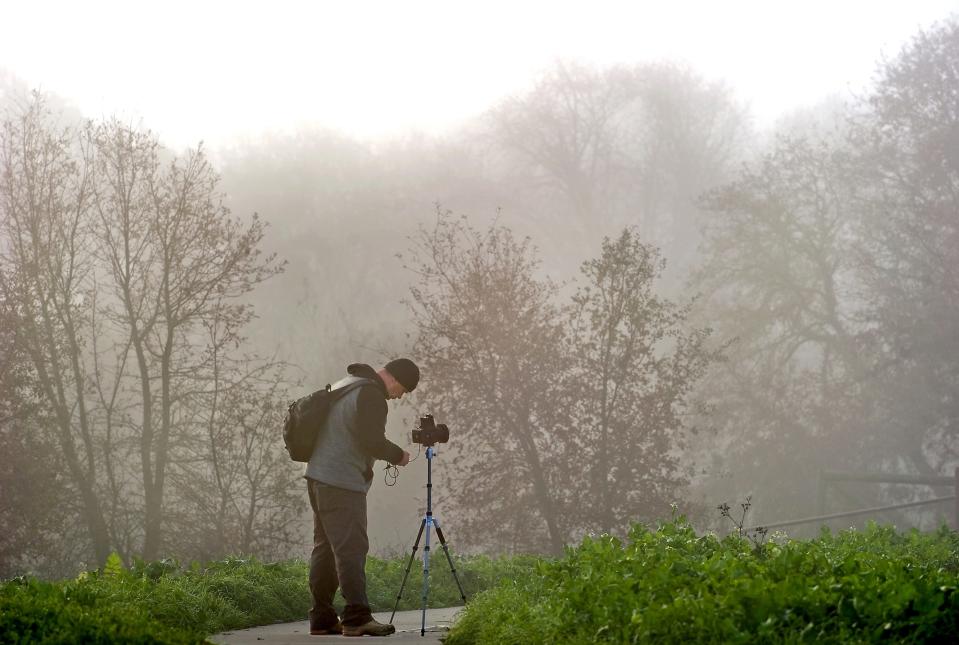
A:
(439, 534)
(426, 573)
(409, 564)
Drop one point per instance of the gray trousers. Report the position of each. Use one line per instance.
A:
(340, 545)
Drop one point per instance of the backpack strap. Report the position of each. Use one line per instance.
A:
(341, 391)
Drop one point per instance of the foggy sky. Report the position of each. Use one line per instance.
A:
(228, 70)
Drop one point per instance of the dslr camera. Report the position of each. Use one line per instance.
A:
(429, 432)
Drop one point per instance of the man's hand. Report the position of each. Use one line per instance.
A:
(405, 460)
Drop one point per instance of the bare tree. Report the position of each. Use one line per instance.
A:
(177, 259)
(240, 490)
(607, 148)
(116, 261)
(569, 127)
(45, 276)
(32, 494)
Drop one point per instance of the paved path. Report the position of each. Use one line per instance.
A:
(407, 624)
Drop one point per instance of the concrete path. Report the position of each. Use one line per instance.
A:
(407, 625)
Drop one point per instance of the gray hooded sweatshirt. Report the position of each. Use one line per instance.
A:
(353, 436)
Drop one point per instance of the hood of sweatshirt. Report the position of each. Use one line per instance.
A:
(365, 371)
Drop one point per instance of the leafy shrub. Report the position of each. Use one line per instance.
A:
(672, 585)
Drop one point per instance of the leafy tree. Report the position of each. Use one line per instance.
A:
(490, 338)
(832, 263)
(907, 144)
(780, 279)
(566, 418)
(633, 366)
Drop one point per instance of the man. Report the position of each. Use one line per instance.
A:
(339, 475)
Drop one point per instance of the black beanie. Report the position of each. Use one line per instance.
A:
(405, 371)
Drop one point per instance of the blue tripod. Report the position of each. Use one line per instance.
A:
(428, 521)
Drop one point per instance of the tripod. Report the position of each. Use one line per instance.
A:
(426, 523)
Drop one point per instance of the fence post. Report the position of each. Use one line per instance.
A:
(821, 493)
(955, 502)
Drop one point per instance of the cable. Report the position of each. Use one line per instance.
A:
(391, 473)
(419, 451)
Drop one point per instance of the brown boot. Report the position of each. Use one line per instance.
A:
(332, 630)
(372, 628)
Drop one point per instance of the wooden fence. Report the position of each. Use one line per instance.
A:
(829, 478)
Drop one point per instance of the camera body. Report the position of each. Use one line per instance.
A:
(429, 432)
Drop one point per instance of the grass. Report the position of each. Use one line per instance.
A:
(159, 602)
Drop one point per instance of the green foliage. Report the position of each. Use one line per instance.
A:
(667, 585)
(159, 602)
(41, 612)
(113, 565)
(672, 585)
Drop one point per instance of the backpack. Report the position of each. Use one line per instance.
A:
(305, 417)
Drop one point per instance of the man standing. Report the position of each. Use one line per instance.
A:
(339, 475)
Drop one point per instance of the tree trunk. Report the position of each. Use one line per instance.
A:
(154, 509)
(92, 511)
(541, 492)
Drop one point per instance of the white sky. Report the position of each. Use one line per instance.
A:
(216, 70)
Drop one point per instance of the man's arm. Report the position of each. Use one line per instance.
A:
(371, 426)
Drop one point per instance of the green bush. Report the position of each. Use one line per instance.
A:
(672, 585)
(158, 602)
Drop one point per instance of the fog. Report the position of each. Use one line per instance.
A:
(650, 261)
(219, 71)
